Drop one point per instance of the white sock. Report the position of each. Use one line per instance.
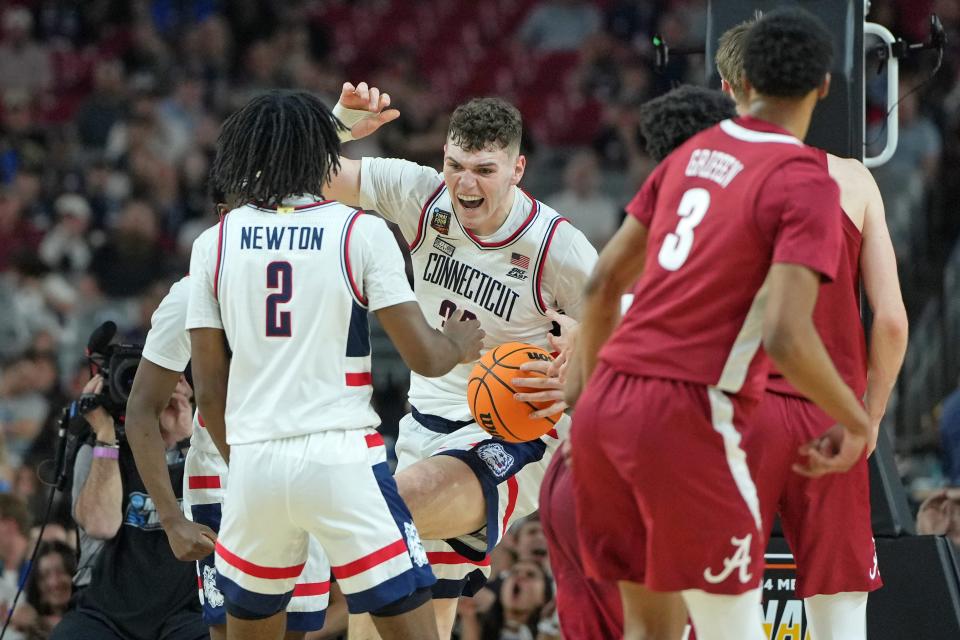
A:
(841, 616)
(717, 617)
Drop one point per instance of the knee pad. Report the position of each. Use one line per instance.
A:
(404, 604)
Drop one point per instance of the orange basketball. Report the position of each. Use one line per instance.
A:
(490, 394)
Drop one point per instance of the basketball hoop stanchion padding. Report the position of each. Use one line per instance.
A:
(837, 123)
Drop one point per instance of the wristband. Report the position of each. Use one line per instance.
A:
(109, 453)
(348, 117)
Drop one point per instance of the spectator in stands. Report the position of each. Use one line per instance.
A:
(583, 201)
(65, 247)
(520, 611)
(560, 25)
(531, 544)
(17, 234)
(48, 591)
(950, 437)
(131, 258)
(14, 543)
(104, 107)
(24, 64)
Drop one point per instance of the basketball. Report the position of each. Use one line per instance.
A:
(490, 394)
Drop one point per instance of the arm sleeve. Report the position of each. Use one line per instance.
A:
(81, 470)
(397, 190)
(168, 343)
(203, 309)
(380, 268)
(805, 201)
(645, 202)
(570, 262)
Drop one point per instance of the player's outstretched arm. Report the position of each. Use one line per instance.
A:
(792, 342)
(426, 350)
(211, 367)
(618, 267)
(362, 110)
(888, 333)
(152, 388)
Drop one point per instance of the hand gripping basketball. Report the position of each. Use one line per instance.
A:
(491, 391)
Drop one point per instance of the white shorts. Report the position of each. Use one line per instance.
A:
(334, 486)
(509, 473)
(204, 486)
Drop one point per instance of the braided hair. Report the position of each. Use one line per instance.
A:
(280, 144)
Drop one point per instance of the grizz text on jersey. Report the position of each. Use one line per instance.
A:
(281, 238)
(471, 283)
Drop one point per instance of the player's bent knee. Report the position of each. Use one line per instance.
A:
(405, 604)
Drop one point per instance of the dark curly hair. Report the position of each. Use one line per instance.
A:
(668, 121)
(486, 123)
(787, 54)
(281, 143)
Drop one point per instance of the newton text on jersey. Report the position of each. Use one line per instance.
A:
(471, 283)
(276, 238)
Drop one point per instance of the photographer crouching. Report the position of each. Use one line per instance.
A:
(138, 589)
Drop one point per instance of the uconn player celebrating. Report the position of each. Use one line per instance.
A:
(481, 245)
(286, 281)
(192, 532)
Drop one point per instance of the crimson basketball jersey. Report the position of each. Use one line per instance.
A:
(837, 317)
(720, 210)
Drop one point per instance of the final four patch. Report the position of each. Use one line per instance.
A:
(440, 221)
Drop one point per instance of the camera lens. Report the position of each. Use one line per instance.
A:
(121, 379)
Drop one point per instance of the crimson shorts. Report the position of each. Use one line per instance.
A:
(588, 608)
(826, 521)
(664, 496)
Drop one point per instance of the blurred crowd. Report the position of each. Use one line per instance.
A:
(109, 111)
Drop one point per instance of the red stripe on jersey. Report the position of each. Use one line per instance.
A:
(543, 262)
(256, 570)
(359, 379)
(452, 557)
(199, 583)
(374, 440)
(371, 560)
(216, 271)
(553, 434)
(423, 216)
(534, 208)
(203, 482)
(346, 260)
(305, 589)
(513, 490)
(200, 420)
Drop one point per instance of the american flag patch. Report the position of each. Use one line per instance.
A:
(519, 260)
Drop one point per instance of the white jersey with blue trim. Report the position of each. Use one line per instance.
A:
(168, 346)
(291, 288)
(536, 261)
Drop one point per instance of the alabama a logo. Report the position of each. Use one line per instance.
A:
(496, 457)
(739, 561)
(414, 546)
(440, 221)
(211, 593)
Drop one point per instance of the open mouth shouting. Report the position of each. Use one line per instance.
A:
(470, 202)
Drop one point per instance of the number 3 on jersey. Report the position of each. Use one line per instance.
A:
(279, 276)
(677, 245)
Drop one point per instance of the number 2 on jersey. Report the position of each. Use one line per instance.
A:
(279, 276)
(677, 245)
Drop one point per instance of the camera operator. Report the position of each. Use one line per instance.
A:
(138, 589)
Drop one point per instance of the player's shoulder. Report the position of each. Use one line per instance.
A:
(208, 237)
(850, 171)
(564, 236)
(174, 304)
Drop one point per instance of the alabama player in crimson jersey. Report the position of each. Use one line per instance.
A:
(591, 608)
(827, 520)
(480, 244)
(739, 225)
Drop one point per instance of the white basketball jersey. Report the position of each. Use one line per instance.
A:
(536, 261)
(168, 346)
(291, 288)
